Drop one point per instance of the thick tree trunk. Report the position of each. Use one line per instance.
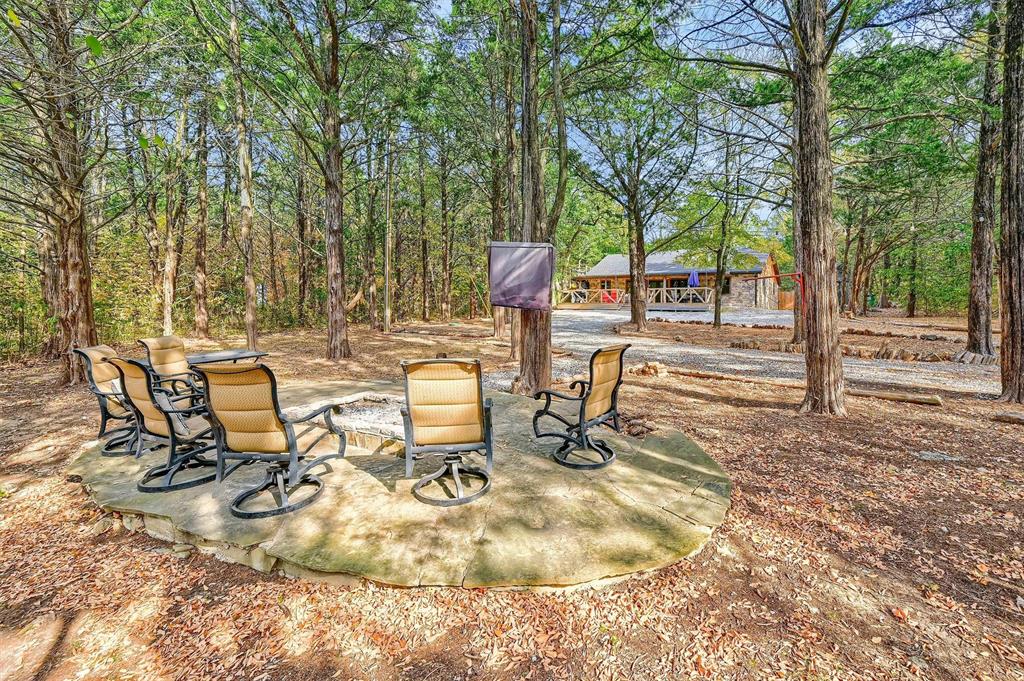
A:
(637, 271)
(535, 357)
(201, 290)
(1011, 281)
(245, 206)
(825, 387)
(174, 208)
(983, 209)
(66, 129)
(337, 324)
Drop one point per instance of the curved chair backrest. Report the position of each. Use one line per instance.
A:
(445, 401)
(103, 376)
(605, 379)
(242, 399)
(138, 390)
(166, 355)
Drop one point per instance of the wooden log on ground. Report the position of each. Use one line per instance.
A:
(933, 400)
(1009, 417)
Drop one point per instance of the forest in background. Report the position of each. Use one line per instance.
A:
(269, 164)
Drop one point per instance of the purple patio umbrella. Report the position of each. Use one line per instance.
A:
(694, 281)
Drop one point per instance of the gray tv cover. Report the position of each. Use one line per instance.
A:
(521, 273)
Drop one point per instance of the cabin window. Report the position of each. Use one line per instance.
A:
(727, 286)
(677, 283)
(605, 284)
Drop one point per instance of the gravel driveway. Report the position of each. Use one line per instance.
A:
(581, 331)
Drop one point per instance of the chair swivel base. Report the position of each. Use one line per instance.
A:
(570, 447)
(454, 468)
(276, 482)
(121, 443)
(166, 473)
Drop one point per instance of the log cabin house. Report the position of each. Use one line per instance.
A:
(675, 284)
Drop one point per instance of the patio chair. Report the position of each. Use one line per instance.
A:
(598, 405)
(105, 384)
(445, 413)
(168, 362)
(184, 430)
(249, 426)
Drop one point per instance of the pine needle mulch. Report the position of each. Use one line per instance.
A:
(846, 555)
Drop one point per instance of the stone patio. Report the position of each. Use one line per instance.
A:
(540, 525)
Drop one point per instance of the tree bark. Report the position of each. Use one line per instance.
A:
(798, 250)
(424, 251)
(637, 270)
(301, 230)
(824, 367)
(388, 235)
(446, 239)
(337, 324)
(912, 286)
(174, 208)
(65, 130)
(245, 206)
(983, 209)
(535, 357)
(497, 198)
(201, 287)
(370, 234)
(49, 283)
(1011, 281)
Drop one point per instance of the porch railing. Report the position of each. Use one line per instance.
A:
(697, 296)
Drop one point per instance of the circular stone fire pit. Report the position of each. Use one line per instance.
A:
(540, 525)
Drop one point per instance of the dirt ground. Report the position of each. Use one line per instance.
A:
(849, 553)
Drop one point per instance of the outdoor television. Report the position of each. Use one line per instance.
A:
(521, 274)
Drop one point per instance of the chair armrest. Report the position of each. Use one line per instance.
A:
(333, 408)
(190, 410)
(553, 393)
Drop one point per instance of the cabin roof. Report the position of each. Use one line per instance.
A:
(668, 263)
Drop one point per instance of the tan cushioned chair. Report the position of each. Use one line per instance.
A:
(105, 384)
(598, 405)
(164, 421)
(167, 360)
(249, 426)
(445, 413)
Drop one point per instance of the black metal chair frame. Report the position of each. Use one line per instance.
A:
(452, 465)
(284, 474)
(184, 453)
(122, 439)
(576, 435)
